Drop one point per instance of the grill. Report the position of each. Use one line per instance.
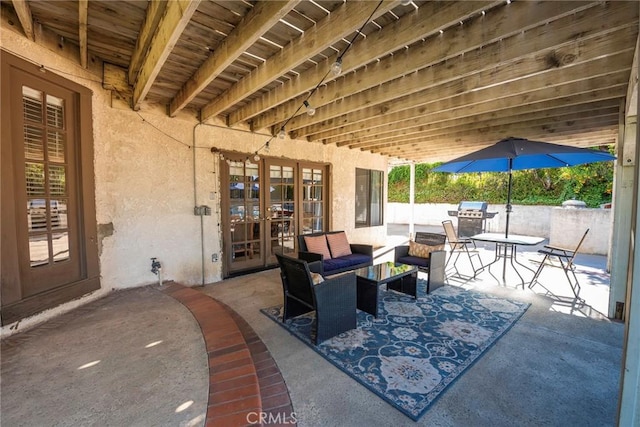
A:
(472, 217)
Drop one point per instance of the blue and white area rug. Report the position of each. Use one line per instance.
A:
(415, 349)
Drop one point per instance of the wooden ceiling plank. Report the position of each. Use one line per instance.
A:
(23, 11)
(517, 115)
(176, 17)
(451, 45)
(471, 142)
(481, 87)
(427, 20)
(343, 20)
(580, 140)
(259, 20)
(571, 94)
(83, 6)
(557, 35)
(155, 11)
(583, 121)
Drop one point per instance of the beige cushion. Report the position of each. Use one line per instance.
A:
(318, 245)
(316, 278)
(422, 251)
(338, 244)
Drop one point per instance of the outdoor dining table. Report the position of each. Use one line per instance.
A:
(505, 249)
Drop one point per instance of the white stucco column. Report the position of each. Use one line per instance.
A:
(412, 197)
(622, 204)
(629, 401)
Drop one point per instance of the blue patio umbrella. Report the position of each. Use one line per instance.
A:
(512, 154)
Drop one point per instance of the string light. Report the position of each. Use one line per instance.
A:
(336, 67)
(310, 110)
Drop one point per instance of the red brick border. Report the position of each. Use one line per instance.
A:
(243, 377)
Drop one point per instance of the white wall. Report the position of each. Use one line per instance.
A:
(144, 177)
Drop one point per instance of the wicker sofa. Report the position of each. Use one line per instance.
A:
(425, 251)
(330, 261)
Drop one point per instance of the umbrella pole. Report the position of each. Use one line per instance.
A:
(506, 232)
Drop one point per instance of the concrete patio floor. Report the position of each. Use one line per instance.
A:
(137, 357)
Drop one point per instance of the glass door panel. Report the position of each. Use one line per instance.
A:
(281, 210)
(244, 216)
(313, 217)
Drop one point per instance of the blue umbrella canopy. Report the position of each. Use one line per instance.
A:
(519, 153)
(511, 154)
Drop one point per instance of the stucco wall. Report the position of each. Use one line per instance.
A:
(144, 177)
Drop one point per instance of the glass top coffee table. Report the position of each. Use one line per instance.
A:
(398, 277)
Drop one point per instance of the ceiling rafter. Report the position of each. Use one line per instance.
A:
(340, 22)
(612, 86)
(262, 17)
(452, 92)
(523, 113)
(175, 18)
(570, 123)
(434, 51)
(83, 7)
(154, 12)
(421, 81)
(548, 39)
(406, 30)
(23, 11)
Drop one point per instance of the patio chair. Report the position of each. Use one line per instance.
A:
(459, 246)
(333, 299)
(561, 257)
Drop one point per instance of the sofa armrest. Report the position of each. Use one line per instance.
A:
(400, 251)
(310, 256)
(316, 267)
(362, 249)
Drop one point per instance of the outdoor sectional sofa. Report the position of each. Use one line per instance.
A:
(333, 253)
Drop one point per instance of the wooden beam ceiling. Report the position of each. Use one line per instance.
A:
(418, 81)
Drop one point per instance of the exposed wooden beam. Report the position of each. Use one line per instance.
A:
(569, 94)
(261, 18)
(428, 20)
(525, 128)
(83, 6)
(24, 15)
(441, 99)
(155, 11)
(505, 43)
(176, 17)
(557, 38)
(340, 22)
(431, 155)
(422, 130)
(445, 149)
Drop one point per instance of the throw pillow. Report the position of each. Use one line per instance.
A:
(422, 251)
(318, 245)
(338, 244)
(316, 278)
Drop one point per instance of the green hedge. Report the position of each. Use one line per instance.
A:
(591, 183)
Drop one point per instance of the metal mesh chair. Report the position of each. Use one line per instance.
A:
(555, 256)
(334, 299)
(459, 246)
